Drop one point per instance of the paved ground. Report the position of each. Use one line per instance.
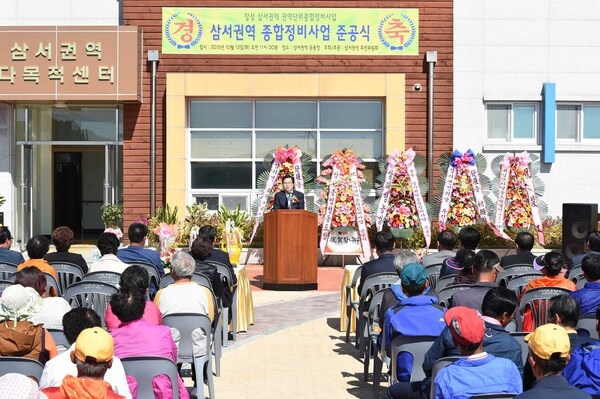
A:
(295, 348)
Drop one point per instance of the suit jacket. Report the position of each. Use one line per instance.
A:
(281, 200)
(520, 258)
(383, 264)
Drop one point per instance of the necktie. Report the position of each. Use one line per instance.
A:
(289, 200)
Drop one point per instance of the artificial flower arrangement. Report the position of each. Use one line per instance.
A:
(464, 188)
(282, 161)
(517, 206)
(401, 206)
(167, 233)
(341, 198)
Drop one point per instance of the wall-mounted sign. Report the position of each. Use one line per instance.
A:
(286, 31)
(70, 63)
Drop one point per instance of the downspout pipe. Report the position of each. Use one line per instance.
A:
(153, 59)
(431, 59)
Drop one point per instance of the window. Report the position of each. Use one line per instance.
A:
(512, 122)
(577, 122)
(230, 138)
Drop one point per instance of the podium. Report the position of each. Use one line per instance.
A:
(290, 250)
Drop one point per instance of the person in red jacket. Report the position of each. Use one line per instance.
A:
(93, 355)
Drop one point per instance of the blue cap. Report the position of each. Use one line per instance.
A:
(413, 273)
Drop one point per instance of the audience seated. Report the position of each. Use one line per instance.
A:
(75, 321)
(479, 372)
(134, 279)
(18, 336)
(394, 294)
(6, 254)
(583, 369)
(468, 238)
(589, 296)
(62, 238)
(591, 246)
(523, 244)
(53, 308)
(486, 268)
(551, 265)
(417, 315)
(499, 305)
(446, 241)
(222, 257)
(548, 355)
(563, 311)
(384, 245)
(463, 264)
(136, 252)
(202, 249)
(37, 248)
(108, 245)
(136, 337)
(93, 356)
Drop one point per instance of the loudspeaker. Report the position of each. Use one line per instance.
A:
(578, 221)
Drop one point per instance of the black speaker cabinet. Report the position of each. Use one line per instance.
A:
(578, 221)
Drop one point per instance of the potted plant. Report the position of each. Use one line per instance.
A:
(112, 216)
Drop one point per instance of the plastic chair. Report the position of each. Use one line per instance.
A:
(94, 295)
(371, 285)
(445, 281)
(7, 269)
(537, 299)
(196, 277)
(445, 294)
(111, 278)
(519, 336)
(351, 304)
(4, 284)
(51, 282)
(227, 277)
(433, 273)
(59, 338)
(372, 328)
(517, 283)
(513, 271)
(186, 323)
(68, 273)
(21, 365)
(145, 368)
(153, 273)
(576, 274)
(437, 366)
(587, 322)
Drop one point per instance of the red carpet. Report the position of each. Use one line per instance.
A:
(329, 278)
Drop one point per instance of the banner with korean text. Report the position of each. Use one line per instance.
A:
(287, 31)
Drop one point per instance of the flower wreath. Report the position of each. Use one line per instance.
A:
(343, 204)
(401, 205)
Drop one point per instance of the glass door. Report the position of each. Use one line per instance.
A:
(26, 196)
(112, 174)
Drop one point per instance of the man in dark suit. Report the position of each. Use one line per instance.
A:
(384, 245)
(288, 198)
(523, 244)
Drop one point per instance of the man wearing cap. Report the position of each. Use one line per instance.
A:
(548, 355)
(93, 356)
(498, 307)
(523, 244)
(417, 315)
(486, 267)
(478, 372)
(6, 254)
(589, 296)
(551, 265)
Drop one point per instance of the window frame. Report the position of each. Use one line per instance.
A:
(510, 135)
(580, 138)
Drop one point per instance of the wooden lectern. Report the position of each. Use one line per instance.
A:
(290, 253)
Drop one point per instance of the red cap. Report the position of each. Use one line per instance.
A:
(465, 324)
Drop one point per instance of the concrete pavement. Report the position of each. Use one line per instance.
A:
(294, 350)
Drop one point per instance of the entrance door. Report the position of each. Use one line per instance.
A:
(26, 196)
(68, 192)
